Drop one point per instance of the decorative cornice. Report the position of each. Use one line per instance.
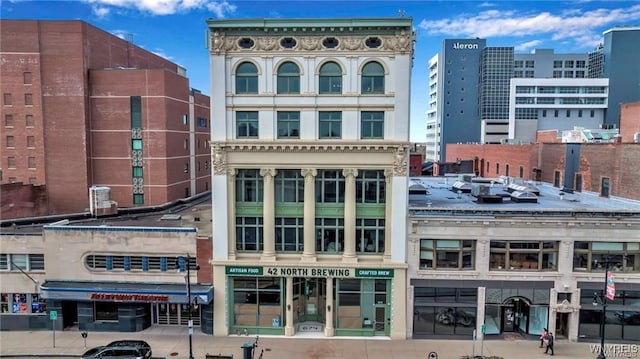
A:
(400, 43)
(399, 148)
(219, 160)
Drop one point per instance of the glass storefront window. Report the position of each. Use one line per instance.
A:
(448, 254)
(523, 255)
(105, 311)
(256, 301)
(618, 256)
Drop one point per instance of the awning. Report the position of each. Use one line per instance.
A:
(125, 291)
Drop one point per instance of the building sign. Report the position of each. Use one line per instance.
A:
(120, 297)
(244, 270)
(374, 273)
(611, 287)
(311, 272)
(463, 46)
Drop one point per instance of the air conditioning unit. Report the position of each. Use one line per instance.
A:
(636, 137)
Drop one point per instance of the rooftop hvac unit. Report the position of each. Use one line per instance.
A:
(100, 200)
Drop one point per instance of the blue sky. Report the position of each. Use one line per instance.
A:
(175, 29)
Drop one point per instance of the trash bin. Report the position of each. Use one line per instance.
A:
(247, 351)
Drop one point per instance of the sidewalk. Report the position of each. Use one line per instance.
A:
(174, 343)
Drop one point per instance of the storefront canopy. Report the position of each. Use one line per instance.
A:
(125, 291)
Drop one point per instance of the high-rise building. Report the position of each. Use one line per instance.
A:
(310, 175)
(84, 108)
(621, 58)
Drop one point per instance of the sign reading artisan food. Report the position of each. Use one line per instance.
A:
(311, 272)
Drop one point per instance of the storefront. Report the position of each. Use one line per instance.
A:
(622, 314)
(288, 300)
(445, 308)
(127, 306)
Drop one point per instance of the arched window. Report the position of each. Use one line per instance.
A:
(330, 78)
(288, 78)
(372, 78)
(247, 78)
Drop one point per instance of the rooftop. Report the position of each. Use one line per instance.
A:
(442, 199)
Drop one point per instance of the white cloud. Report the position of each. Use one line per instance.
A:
(487, 4)
(100, 11)
(527, 45)
(576, 24)
(167, 7)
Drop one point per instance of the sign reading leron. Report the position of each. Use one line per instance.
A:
(463, 46)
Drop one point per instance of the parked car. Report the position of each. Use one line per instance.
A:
(92, 351)
(141, 344)
(115, 352)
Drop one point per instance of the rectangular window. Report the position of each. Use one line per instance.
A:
(595, 256)
(28, 99)
(249, 186)
(592, 113)
(529, 64)
(518, 63)
(31, 162)
(136, 144)
(330, 124)
(249, 234)
(289, 186)
(557, 74)
(137, 172)
(370, 235)
(185, 119)
(288, 124)
(246, 124)
(202, 122)
(447, 254)
(26, 76)
(568, 74)
(578, 182)
(579, 113)
(136, 111)
(138, 198)
(329, 186)
(289, 234)
(557, 64)
(370, 187)
(106, 311)
(544, 113)
(523, 255)
(28, 119)
(31, 141)
(568, 113)
(568, 63)
(11, 162)
(604, 187)
(11, 143)
(372, 124)
(330, 235)
(7, 100)
(555, 113)
(8, 120)
(580, 74)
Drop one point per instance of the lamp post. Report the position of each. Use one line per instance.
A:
(188, 265)
(602, 299)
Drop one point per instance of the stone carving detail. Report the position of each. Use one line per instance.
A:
(309, 173)
(310, 43)
(267, 43)
(350, 173)
(400, 162)
(271, 172)
(217, 41)
(219, 160)
(402, 43)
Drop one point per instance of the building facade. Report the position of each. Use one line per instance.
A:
(122, 274)
(310, 165)
(114, 115)
(514, 268)
(541, 104)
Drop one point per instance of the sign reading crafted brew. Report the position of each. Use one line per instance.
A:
(310, 272)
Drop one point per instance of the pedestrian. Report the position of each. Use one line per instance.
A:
(550, 340)
(543, 336)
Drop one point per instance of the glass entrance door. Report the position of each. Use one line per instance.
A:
(311, 299)
(380, 326)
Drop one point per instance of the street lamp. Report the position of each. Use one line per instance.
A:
(602, 299)
(197, 267)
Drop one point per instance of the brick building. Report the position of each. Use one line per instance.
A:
(609, 169)
(82, 108)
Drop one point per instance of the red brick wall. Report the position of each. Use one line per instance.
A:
(59, 55)
(204, 248)
(629, 121)
(415, 164)
(22, 200)
(498, 157)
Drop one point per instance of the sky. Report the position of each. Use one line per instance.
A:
(175, 29)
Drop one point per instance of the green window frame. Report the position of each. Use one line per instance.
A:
(247, 79)
(289, 234)
(138, 198)
(330, 79)
(136, 144)
(247, 124)
(370, 235)
(249, 234)
(289, 186)
(136, 111)
(288, 124)
(137, 172)
(372, 78)
(330, 124)
(288, 78)
(372, 124)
